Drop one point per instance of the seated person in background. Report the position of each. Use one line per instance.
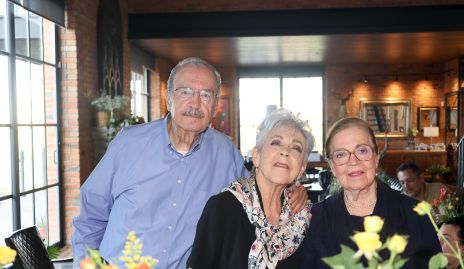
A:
(453, 231)
(414, 184)
(353, 156)
(250, 224)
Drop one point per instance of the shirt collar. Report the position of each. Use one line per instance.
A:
(167, 139)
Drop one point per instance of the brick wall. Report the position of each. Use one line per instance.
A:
(79, 87)
(423, 84)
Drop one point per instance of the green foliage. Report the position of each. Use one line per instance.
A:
(53, 252)
(107, 103)
(438, 261)
(438, 169)
(344, 260)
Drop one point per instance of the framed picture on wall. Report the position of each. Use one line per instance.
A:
(427, 116)
(221, 120)
(453, 118)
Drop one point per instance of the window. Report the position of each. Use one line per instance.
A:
(29, 159)
(259, 95)
(140, 98)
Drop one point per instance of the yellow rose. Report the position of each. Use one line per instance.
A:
(397, 243)
(373, 224)
(423, 208)
(367, 243)
(87, 264)
(7, 255)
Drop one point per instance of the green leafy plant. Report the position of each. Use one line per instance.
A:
(107, 103)
(53, 252)
(438, 169)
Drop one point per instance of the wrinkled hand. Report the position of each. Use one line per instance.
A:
(297, 198)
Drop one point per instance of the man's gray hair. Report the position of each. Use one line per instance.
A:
(194, 61)
(284, 118)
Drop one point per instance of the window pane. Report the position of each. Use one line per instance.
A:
(41, 218)
(27, 210)
(5, 162)
(257, 96)
(39, 156)
(3, 25)
(21, 31)
(37, 93)
(53, 215)
(25, 158)
(52, 155)
(23, 92)
(304, 95)
(50, 94)
(35, 38)
(49, 41)
(4, 91)
(6, 225)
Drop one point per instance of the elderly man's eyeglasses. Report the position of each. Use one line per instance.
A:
(342, 156)
(186, 93)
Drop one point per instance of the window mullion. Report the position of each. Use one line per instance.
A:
(13, 116)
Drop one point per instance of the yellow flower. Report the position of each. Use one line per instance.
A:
(7, 255)
(367, 243)
(373, 224)
(397, 243)
(87, 263)
(423, 208)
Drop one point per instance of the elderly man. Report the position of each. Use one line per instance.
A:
(155, 178)
(414, 185)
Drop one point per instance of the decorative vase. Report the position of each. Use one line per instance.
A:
(103, 118)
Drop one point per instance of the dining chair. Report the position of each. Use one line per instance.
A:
(31, 252)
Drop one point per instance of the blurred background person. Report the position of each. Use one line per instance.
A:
(414, 185)
(453, 231)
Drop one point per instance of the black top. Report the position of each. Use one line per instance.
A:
(224, 237)
(332, 225)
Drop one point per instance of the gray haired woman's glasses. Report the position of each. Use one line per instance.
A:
(342, 156)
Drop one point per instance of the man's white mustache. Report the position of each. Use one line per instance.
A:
(192, 112)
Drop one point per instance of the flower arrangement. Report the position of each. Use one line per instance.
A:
(107, 103)
(7, 255)
(369, 244)
(131, 257)
(445, 207)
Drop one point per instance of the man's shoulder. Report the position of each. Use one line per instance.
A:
(140, 132)
(435, 185)
(216, 138)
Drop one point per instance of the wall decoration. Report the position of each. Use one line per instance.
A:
(453, 118)
(221, 120)
(387, 117)
(109, 48)
(427, 117)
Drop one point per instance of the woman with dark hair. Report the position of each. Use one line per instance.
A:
(453, 231)
(352, 154)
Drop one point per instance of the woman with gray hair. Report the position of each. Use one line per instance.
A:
(250, 224)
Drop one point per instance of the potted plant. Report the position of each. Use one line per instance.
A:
(106, 105)
(438, 171)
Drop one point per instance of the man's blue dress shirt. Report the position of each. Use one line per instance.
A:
(143, 184)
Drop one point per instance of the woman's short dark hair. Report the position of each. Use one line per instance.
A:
(346, 123)
(458, 222)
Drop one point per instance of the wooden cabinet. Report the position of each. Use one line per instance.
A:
(423, 159)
